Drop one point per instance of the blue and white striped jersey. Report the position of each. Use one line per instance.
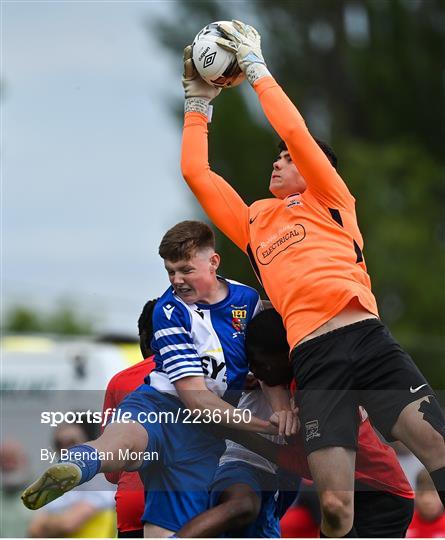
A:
(202, 340)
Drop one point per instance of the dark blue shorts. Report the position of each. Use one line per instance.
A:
(265, 485)
(177, 483)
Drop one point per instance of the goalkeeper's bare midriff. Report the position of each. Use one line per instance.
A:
(352, 313)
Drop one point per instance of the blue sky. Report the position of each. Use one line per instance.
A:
(90, 169)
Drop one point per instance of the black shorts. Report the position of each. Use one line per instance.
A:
(139, 533)
(379, 514)
(358, 364)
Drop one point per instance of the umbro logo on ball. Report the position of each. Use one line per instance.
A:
(209, 59)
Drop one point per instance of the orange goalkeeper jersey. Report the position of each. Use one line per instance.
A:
(306, 249)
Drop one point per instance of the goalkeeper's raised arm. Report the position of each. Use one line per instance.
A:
(219, 200)
(320, 176)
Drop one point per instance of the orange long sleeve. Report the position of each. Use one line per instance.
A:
(219, 200)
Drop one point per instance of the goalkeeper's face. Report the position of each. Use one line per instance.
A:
(194, 279)
(286, 178)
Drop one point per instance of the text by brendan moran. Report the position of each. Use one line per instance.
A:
(66, 455)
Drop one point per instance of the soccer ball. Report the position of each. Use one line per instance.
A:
(216, 66)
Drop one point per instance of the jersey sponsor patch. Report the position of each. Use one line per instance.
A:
(214, 368)
(279, 242)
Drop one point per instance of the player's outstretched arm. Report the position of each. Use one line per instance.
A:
(321, 177)
(197, 397)
(219, 200)
(284, 414)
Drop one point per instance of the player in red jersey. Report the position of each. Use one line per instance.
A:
(429, 515)
(130, 490)
(306, 247)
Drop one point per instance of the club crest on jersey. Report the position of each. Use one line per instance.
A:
(312, 430)
(295, 202)
(239, 316)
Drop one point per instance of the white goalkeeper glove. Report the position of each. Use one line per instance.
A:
(245, 42)
(198, 93)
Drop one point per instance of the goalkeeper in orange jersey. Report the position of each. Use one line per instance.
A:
(306, 248)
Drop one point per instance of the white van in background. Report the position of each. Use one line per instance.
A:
(56, 374)
(55, 363)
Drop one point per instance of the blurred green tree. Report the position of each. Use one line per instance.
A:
(63, 319)
(23, 319)
(367, 76)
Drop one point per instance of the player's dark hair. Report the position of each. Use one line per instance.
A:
(327, 150)
(145, 328)
(181, 241)
(267, 348)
